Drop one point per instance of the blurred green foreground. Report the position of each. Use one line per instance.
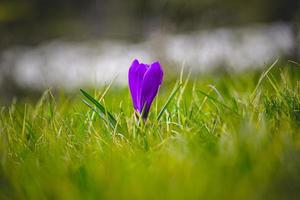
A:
(225, 136)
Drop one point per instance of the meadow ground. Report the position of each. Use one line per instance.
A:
(221, 136)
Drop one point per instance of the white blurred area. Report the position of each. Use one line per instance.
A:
(71, 65)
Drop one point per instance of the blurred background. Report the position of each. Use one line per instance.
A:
(69, 44)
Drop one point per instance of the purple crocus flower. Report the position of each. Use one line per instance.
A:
(144, 81)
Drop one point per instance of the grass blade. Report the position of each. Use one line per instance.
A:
(101, 108)
(94, 109)
(217, 101)
(261, 79)
(173, 93)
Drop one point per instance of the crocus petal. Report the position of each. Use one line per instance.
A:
(131, 80)
(140, 72)
(135, 78)
(151, 82)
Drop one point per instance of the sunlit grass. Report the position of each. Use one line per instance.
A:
(225, 136)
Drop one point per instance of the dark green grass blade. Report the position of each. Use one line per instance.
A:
(101, 108)
(217, 101)
(174, 92)
(95, 110)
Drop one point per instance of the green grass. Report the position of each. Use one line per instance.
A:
(222, 136)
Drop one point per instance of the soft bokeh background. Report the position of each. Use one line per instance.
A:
(68, 44)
